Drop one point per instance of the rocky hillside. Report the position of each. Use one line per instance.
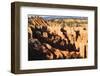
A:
(57, 38)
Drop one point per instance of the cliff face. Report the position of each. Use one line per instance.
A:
(57, 38)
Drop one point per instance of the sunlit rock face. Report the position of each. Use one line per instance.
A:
(57, 37)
